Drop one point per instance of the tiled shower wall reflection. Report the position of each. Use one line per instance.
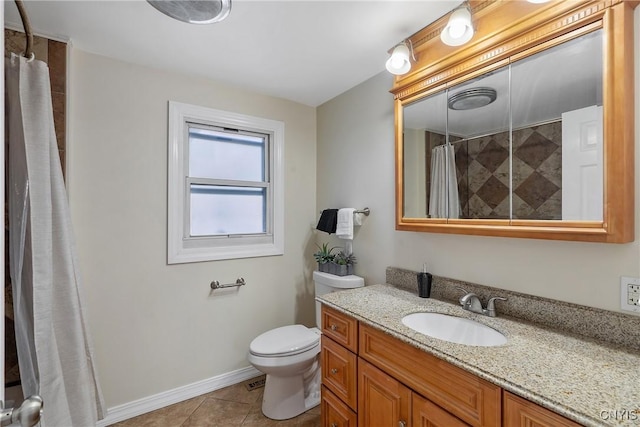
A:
(54, 53)
(483, 173)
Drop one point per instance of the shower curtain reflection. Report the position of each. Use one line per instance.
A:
(443, 196)
(54, 348)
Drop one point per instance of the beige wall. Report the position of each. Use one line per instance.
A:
(415, 167)
(157, 327)
(355, 143)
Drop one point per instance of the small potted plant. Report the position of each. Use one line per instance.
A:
(342, 264)
(324, 257)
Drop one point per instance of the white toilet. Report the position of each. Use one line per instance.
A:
(289, 355)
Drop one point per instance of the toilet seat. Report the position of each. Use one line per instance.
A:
(285, 341)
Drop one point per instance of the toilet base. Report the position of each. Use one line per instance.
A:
(288, 397)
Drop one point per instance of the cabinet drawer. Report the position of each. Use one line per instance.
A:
(341, 328)
(519, 412)
(339, 371)
(472, 399)
(335, 413)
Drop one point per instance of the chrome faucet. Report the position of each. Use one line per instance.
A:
(471, 302)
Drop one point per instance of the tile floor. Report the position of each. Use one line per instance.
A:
(230, 406)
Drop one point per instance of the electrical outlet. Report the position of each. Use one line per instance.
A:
(630, 294)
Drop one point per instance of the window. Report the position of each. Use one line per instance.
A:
(225, 185)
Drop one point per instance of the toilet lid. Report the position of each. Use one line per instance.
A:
(284, 341)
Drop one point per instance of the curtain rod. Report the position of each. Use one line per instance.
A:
(28, 51)
(541, 123)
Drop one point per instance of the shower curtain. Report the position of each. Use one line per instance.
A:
(443, 195)
(54, 346)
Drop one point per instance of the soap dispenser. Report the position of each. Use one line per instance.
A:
(424, 282)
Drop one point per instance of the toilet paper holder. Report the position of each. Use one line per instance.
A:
(239, 282)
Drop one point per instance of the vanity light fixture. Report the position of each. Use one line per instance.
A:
(459, 29)
(400, 60)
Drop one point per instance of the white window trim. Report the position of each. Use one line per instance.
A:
(183, 250)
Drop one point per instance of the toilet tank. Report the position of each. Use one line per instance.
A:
(326, 283)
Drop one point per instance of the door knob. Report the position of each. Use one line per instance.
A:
(28, 414)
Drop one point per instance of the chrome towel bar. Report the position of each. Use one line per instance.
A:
(239, 282)
(365, 211)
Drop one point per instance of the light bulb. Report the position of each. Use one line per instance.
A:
(397, 62)
(457, 29)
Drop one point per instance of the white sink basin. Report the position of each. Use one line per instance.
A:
(454, 329)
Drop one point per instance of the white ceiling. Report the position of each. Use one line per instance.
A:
(304, 51)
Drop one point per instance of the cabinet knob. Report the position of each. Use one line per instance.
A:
(334, 425)
(402, 424)
(334, 327)
(334, 371)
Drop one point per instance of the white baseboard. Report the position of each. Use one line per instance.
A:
(160, 400)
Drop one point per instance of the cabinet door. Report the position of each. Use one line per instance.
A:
(519, 412)
(382, 400)
(428, 414)
(335, 413)
(339, 371)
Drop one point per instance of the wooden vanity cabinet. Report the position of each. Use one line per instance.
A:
(385, 401)
(519, 412)
(370, 378)
(340, 328)
(382, 400)
(427, 414)
(335, 413)
(339, 371)
(338, 361)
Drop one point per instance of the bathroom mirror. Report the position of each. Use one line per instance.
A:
(524, 142)
(508, 157)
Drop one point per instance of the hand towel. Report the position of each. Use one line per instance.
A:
(344, 226)
(358, 218)
(328, 221)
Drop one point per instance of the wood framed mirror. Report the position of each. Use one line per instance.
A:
(526, 131)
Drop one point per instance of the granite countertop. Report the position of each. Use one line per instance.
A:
(584, 380)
